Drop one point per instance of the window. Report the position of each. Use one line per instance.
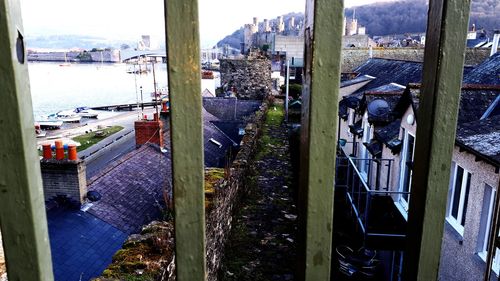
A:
(458, 197)
(406, 171)
(485, 226)
(364, 156)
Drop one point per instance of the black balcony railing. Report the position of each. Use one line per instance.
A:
(374, 203)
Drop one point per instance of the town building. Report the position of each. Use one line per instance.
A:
(378, 121)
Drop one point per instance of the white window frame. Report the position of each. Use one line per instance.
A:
(350, 121)
(484, 230)
(456, 222)
(402, 204)
(363, 151)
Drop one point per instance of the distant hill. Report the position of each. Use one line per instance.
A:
(411, 16)
(399, 17)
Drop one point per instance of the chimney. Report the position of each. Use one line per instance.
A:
(149, 131)
(63, 178)
(496, 38)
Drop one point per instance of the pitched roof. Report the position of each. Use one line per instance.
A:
(388, 97)
(359, 79)
(389, 134)
(388, 71)
(216, 142)
(230, 108)
(481, 138)
(486, 73)
(132, 188)
(475, 100)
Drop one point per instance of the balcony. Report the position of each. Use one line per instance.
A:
(366, 186)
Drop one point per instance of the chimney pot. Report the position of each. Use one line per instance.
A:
(47, 151)
(59, 150)
(72, 155)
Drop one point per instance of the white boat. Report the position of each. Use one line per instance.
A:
(86, 112)
(68, 116)
(49, 123)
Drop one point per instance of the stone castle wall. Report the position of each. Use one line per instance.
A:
(250, 79)
(228, 194)
(354, 57)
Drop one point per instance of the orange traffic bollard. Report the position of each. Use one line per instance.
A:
(59, 150)
(72, 155)
(47, 151)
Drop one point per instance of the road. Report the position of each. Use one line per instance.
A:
(107, 156)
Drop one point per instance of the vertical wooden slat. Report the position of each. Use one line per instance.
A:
(22, 210)
(319, 123)
(184, 78)
(437, 119)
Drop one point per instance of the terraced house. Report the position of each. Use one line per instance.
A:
(377, 131)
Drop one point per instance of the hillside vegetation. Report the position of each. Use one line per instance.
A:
(399, 17)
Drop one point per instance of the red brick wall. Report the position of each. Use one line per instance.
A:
(148, 131)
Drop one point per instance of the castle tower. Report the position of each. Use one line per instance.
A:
(280, 25)
(266, 28)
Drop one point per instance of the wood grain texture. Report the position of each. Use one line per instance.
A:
(318, 133)
(442, 78)
(184, 78)
(22, 207)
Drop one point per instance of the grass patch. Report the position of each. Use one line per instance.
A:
(212, 177)
(91, 138)
(275, 115)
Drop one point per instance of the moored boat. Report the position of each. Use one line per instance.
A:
(68, 116)
(86, 112)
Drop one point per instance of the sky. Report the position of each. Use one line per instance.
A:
(128, 19)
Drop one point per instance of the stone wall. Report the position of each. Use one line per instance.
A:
(227, 195)
(354, 57)
(249, 78)
(64, 178)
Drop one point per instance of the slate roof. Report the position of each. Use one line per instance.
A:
(390, 93)
(481, 137)
(389, 135)
(475, 100)
(388, 71)
(81, 244)
(486, 73)
(230, 108)
(216, 142)
(132, 188)
(475, 43)
(359, 79)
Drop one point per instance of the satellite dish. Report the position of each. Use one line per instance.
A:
(378, 108)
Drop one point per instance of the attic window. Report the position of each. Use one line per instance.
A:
(215, 142)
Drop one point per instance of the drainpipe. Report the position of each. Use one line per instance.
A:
(287, 84)
(496, 38)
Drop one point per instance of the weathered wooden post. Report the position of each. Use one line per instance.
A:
(438, 111)
(22, 206)
(184, 78)
(323, 36)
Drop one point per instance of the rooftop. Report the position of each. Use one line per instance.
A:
(486, 73)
